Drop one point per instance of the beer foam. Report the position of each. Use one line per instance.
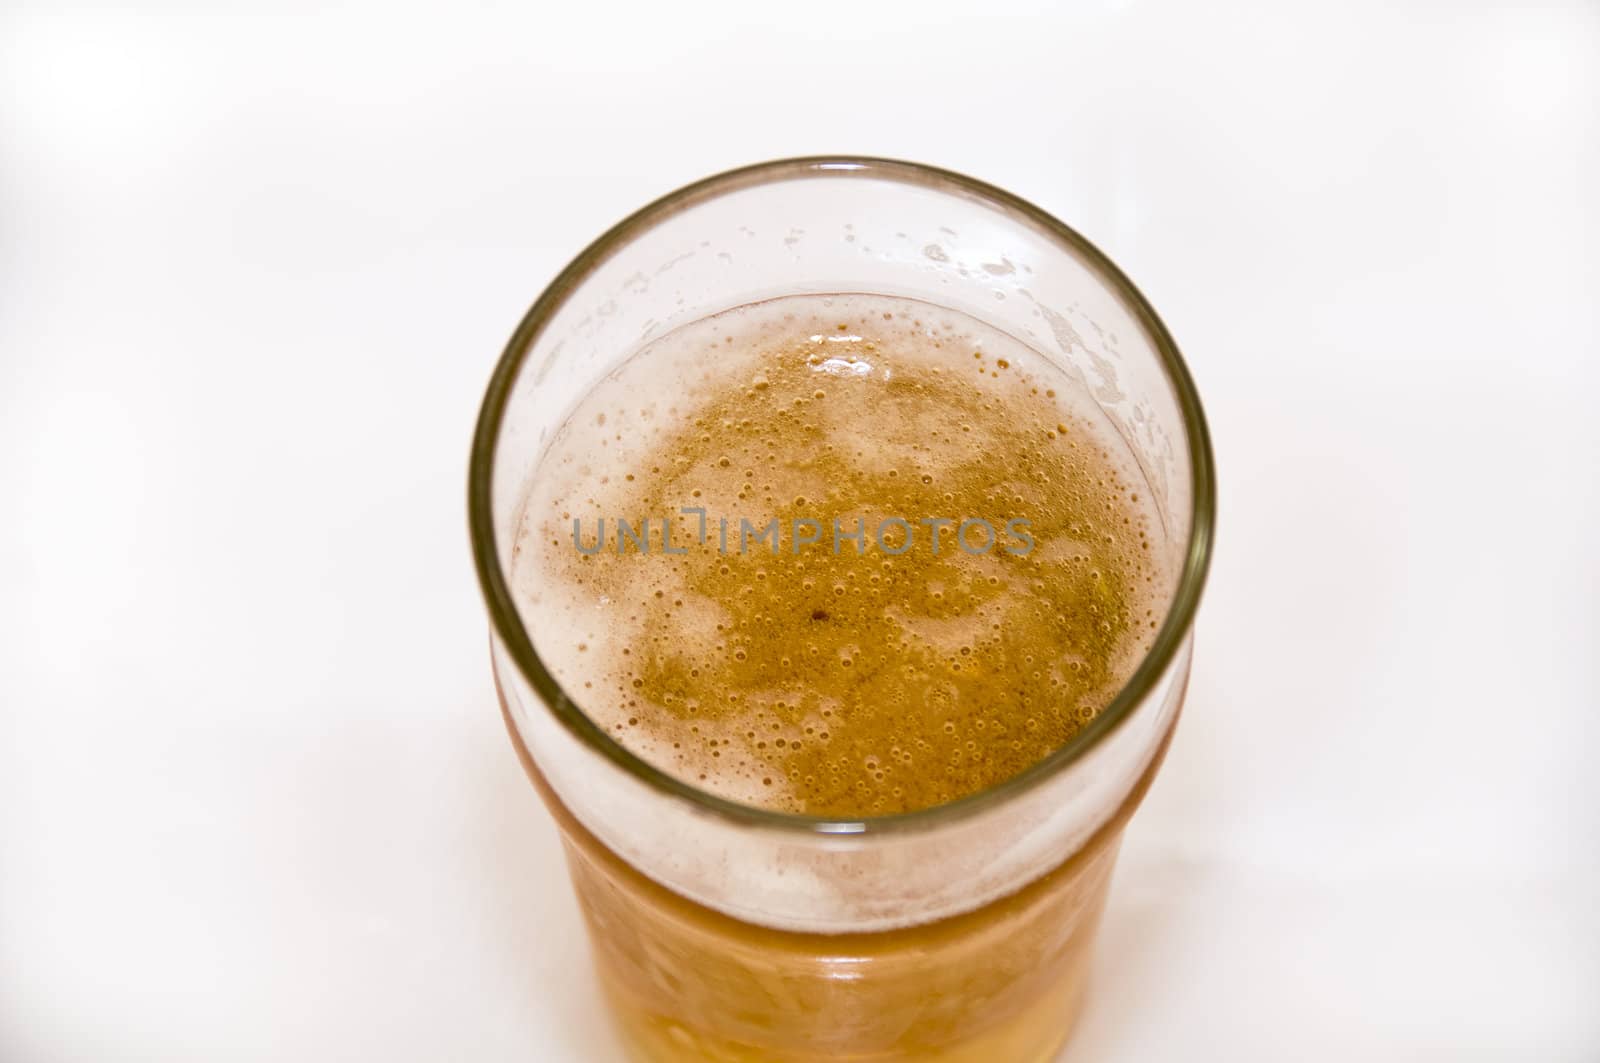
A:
(864, 681)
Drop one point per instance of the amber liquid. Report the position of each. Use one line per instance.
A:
(841, 682)
(1001, 984)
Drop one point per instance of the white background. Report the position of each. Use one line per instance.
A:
(256, 802)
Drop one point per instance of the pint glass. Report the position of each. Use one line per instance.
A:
(959, 933)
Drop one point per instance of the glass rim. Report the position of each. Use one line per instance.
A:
(506, 621)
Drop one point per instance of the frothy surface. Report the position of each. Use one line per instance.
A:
(840, 684)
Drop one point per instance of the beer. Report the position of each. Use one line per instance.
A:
(847, 556)
(955, 573)
(999, 984)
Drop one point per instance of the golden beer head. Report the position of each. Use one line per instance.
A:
(845, 555)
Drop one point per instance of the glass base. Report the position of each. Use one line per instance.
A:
(1034, 1036)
